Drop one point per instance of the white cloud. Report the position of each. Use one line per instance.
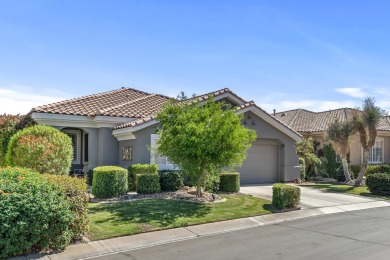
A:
(353, 92)
(21, 99)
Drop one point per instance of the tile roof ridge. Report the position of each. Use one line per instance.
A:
(287, 111)
(294, 117)
(99, 112)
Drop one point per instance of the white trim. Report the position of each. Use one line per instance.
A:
(383, 151)
(77, 160)
(230, 97)
(153, 144)
(272, 121)
(79, 121)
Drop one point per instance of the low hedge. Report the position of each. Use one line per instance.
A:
(378, 183)
(285, 196)
(75, 192)
(148, 183)
(171, 181)
(229, 182)
(377, 168)
(139, 169)
(34, 215)
(109, 181)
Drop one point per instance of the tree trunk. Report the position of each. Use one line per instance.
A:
(366, 154)
(199, 188)
(346, 170)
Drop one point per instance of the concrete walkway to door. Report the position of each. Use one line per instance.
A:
(310, 197)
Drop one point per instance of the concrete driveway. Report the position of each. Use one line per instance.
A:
(310, 197)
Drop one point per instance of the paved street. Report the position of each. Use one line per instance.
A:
(363, 234)
(310, 197)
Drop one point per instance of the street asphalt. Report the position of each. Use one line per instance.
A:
(363, 234)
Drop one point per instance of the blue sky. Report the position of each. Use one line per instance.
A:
(316, 55)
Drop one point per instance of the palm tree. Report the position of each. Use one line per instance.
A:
(366, 122)
(305, 150)
(339, 134)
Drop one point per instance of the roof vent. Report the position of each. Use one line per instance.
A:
(284, 114)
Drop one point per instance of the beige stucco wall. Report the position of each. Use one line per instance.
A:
(356, 148)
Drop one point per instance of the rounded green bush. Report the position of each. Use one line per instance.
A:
(229, 182)
(285, 196)
(171, 181)
(41, 148)
(109, 181)
(75, 192)
(139, 169)
(148, 183)
(379, 183)
(34, 215)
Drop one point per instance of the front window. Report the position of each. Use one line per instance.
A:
(162, 161)
(75, 135)
(376, 153)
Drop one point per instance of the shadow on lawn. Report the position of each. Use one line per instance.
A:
(160, 212)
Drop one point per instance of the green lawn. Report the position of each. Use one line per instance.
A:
(343, 188)
(126, 218)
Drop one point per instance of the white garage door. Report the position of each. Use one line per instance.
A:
(260, 165)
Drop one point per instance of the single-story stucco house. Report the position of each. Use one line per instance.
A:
(117, 128)
(314, 124)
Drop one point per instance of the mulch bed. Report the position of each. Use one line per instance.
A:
(186, 194)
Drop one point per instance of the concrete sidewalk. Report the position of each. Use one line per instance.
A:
(121, 244)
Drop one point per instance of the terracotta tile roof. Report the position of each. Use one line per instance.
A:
(136, 122)
(154, 110)
(305, 121)
(384, 124)
(124, 102)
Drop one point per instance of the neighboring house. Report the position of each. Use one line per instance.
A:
(314, 124)
(117, 128)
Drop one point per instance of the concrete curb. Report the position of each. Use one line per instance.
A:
(127, 243)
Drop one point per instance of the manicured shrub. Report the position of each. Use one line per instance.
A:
(34, 215)
(171, 181)
(139, 169)
(9, 125)
(285, 196)
(148, 183)
(212, 183)
(379, 183)
(74, 191)
(109, 181)
(41, 148)
(378, 168)
(89, 177)
(229, 182)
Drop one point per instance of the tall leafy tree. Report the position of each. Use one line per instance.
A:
(366, 122)
(339, 134)
(202, 139)
(305, 150)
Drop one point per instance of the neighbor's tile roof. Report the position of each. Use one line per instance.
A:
(305, 121)
(384, 124)
(124, 102)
